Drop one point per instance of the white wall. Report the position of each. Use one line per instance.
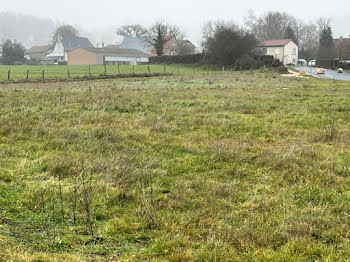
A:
(290, 54)
(58, 50)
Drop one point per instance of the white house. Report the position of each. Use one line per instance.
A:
(283, 49)
(65, 45)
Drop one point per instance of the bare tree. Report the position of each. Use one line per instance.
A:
(132, 30)
(308, 41)
(160, 33)
(323, 23)
(64, 30)
(272, 25)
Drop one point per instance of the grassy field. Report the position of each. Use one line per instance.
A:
(221, 167)
(19, 73)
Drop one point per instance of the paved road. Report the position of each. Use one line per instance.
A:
(330, 74)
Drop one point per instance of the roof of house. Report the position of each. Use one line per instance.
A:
(39, 49)
(112, 46)
(137, 43)
(73, 42)
(277, 42)
(124, 52)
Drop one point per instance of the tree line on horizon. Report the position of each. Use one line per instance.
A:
(223, 42)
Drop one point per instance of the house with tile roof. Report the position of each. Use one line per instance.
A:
(37, 52)
(66, 44)
(285, 50)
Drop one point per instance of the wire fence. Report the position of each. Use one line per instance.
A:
(31, 73)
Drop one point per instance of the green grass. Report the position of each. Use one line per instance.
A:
(18, 73)
(221, 167)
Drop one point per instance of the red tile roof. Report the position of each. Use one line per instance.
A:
(279, 42)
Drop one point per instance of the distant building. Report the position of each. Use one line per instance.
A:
(342, 48)
(174, 46)
(37, 52)
(63, 46)
(284, 50)
(171, 47)
(137, 43)
(100, 56)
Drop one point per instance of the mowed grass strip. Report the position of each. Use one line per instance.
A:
(226, 167)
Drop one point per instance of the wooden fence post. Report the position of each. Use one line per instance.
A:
(43, 74)
(149, 70)
(27, 75)
(118, 69)
(89, 71)
(223, 68)
(9, 75)
(68, 73)
(105, 69)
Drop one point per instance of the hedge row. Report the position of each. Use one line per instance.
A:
(179, 59)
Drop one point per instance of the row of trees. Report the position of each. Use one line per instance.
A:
(314, 38)
(225, 42)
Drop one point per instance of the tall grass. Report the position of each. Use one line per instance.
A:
(221, 167)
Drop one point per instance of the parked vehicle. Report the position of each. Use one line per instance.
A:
(312, 63)
(302, 62)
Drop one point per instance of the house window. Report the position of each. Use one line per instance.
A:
(277, 51)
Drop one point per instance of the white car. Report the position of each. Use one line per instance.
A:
(312, 63)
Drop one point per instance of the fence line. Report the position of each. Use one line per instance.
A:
(91, 71)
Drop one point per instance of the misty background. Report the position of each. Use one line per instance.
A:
(33, 22)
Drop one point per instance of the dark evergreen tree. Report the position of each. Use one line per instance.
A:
(289, 34)
(326, 48)
(12, 52)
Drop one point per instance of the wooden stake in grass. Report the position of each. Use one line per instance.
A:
(27, 75)
(61, 196)
(43, 74)
(118, 69)
(149, 70)
(68, 73)
(9, 75)
(89, 71)
(105, 69)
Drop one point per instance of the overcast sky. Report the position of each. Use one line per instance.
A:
(101, 17)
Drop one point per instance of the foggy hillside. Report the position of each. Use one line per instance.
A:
(28, 30)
